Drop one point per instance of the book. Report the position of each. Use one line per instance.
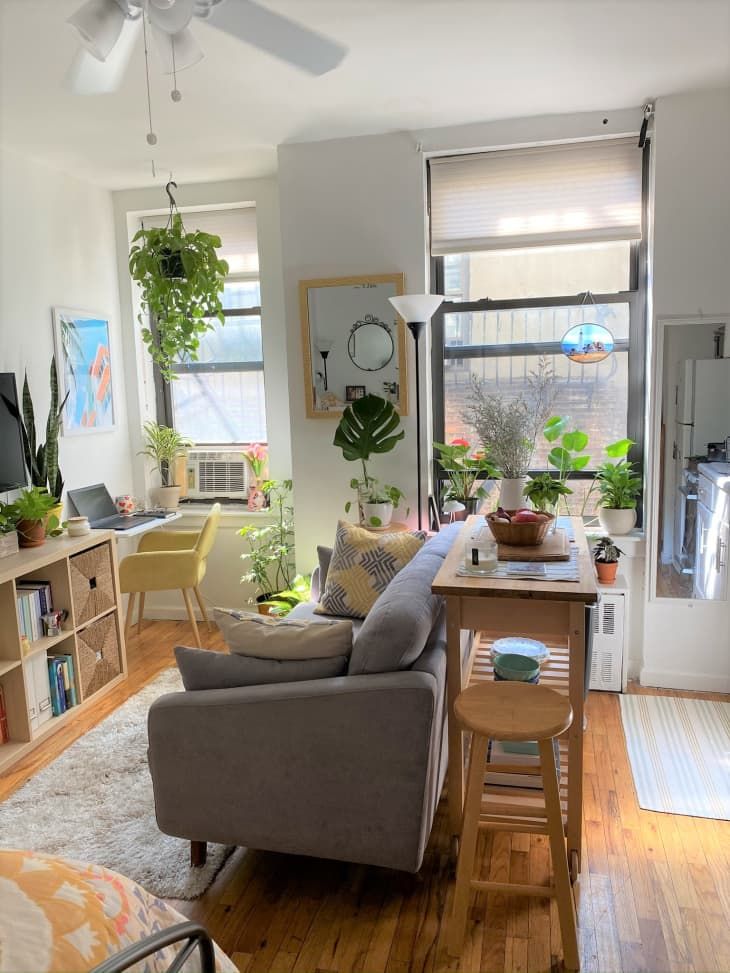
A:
(58, 694)
(69, 682)
(4, 732)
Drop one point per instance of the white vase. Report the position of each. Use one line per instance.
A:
(377, 515)
(617, 522)
(165, 497)
(510, 493)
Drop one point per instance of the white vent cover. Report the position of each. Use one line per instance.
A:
(607, 624)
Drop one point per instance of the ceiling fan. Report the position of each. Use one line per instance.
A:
(109, 29)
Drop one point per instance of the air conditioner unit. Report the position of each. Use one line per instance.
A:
(608, 627)
(216, 474)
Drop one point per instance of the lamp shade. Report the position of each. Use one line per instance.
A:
(416, 307)
(182, 45)
(99, 23)
(172, 17)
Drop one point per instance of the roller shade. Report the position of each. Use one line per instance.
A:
(236, 228)
(545, 196)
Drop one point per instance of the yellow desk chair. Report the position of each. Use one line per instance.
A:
(169, 559)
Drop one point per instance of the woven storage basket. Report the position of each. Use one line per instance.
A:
(518, 535)
(92, 583)
(98, 652)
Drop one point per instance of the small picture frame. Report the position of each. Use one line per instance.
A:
(354, 392)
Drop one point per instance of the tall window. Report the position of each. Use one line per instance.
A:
(527, 244)
(219, 399)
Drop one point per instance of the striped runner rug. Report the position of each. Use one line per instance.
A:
(679, 751)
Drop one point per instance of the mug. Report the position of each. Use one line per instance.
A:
(125, 505)
(78, 526)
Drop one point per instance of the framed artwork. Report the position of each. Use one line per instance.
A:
(83, 357)
(354, 392)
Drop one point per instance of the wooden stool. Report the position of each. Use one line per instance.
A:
(521, 712)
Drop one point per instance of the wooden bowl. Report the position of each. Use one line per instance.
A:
(518, 535)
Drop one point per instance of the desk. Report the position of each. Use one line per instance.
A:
(148, 525)
(552, 611)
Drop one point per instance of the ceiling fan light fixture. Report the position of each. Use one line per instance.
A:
(176, 51)
(172, 19)
(99, 24)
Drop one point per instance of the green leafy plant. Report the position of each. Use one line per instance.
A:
(7, 521)
(283, 602)
(41, 459)
(32, 506)
(463, 470)
(181, 278)
(164, 445)
(618, 483)
(369, 425)
(606, 551)
(545, 490)
(271, 546)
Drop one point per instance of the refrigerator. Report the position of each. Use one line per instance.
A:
(702, 400)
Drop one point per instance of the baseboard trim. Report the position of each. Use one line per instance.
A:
(703, 682)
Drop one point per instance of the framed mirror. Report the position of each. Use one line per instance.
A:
(354, 343)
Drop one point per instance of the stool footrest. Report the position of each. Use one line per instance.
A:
(517, 826)
(510, 888)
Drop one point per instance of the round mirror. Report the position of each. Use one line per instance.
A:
(371, 344)
(587, 343)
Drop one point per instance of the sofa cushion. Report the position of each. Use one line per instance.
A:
(266, 637)
(398, 626)
(203, 669)
(363, 564)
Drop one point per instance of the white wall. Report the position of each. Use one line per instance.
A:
(57, 248)
(687, 643)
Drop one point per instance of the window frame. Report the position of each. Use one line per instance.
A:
(637, 299)
(163, 391)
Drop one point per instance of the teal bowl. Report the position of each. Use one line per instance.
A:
(519, 668)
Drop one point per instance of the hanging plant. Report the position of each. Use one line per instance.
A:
(181, 279)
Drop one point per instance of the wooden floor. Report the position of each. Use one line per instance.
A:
(655, 889)
(671, 584)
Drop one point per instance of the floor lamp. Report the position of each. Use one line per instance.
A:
(417, 310)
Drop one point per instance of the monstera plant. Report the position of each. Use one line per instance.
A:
(181, 278)
(369, 426)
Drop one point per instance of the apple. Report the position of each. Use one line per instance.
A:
(526, 517)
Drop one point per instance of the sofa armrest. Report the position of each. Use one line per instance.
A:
(335, 768)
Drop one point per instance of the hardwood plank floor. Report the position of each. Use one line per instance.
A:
(654, 893)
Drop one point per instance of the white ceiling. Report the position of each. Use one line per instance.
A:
(412, 64)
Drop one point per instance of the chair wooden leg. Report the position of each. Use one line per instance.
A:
(130, 611)
(191, 616)
(563, 890)
(140, 613)
(467, 844)
(201, 603)
(198, 853)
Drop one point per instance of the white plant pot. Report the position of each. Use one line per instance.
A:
(377, 515)
(510, 493)
(616, 521)
(165, 497)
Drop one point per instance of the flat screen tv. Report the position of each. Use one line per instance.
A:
(12, 460)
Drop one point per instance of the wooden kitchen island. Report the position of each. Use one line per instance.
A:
(553, 612)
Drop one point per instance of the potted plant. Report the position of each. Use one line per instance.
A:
(8, 533)
(619, 487)
(271, 547)
(282, 602)
(31, 514)
(181, 278)
(165, 445)
(507, 427)
(370, 425)
(606, 557)
(463, 472)
(544, 492)
(256, 455)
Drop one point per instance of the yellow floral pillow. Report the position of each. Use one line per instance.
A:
(362, 566)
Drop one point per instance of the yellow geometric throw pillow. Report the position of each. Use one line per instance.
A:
(362, 566)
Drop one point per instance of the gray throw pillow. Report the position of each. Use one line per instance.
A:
(324, 556)
(267, 637)
(203, 669)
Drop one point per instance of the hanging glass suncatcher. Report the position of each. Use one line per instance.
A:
(587, 343)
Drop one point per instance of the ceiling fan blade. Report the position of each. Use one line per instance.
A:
(87, 76)
(276, 34)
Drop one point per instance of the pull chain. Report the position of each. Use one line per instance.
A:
(151, 137)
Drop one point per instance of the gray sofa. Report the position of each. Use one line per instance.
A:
(349, 768)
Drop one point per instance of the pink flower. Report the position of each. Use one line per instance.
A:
(459, 442)
(256, 454)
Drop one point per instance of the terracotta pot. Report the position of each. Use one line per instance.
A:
(264, 609)
(31, 533)
(606, 571)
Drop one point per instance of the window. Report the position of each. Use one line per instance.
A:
(518, 238)
(219, 399)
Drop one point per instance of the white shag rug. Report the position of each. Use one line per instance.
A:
(94, 804)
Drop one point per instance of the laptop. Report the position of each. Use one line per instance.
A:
(95, 503)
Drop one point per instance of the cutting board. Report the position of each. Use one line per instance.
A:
(555, 547)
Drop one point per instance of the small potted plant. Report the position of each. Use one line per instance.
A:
(271, 548)
(8, 533)
(376, 502)
(463, 472)
(165, 446)
(606, 557)
(619, 486)
(32, 516)
(282, 602)
(256, 455)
